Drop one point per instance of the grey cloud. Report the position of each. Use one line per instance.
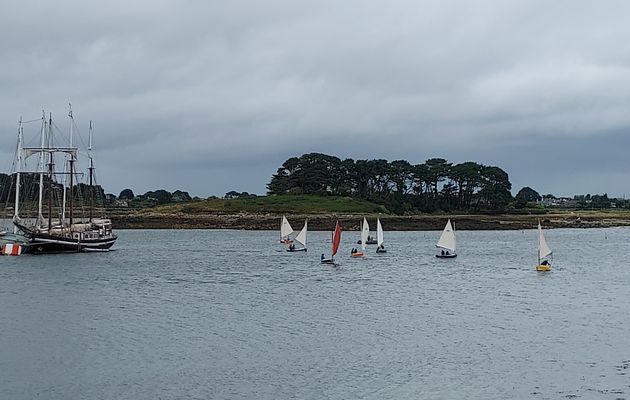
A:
(182, 92)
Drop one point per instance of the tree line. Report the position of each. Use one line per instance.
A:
(29, 188)
(399, 185)
(528, 197)
(82, 193)
(154, 197)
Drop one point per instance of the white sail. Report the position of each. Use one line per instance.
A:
(379, 233)
(543, 249)
(285, 227)
(447, 240)
(301, 237)
(365, 232)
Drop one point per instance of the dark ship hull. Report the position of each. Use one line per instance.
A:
(47, 244)
(91, 237)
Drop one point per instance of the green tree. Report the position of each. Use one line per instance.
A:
(398, 185)
(360, 174)
(420, 186)
(126, 194)
(401, 176)
(180, 196)
(467, 177)
(495, 188)
(378, 170)
(437, 170)
(526, 195)
(282, 180)
(160, 196)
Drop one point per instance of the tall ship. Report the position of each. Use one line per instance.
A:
(57, 205)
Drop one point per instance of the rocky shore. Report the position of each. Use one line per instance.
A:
(245, 221)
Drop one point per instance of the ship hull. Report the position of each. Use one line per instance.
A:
(48, 244)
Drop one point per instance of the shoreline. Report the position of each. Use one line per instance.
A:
(350, 222)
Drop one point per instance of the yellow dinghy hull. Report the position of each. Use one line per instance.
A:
(543, 268)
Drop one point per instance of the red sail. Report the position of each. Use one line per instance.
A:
(336, 239)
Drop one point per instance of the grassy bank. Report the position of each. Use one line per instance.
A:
(275, 205)
(246, 215)
(264, 212)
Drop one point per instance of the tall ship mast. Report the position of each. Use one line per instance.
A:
(58, 226)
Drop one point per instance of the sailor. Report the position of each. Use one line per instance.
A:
(322, 257)
(442, 252)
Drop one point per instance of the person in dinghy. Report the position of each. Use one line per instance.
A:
(446, 244)
(300, 238)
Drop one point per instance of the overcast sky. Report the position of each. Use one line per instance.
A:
(212, 96)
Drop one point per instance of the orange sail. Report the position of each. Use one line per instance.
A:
(336, 239)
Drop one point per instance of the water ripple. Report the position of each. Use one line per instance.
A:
(229, 315)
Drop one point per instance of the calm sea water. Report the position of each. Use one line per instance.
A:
(226, 315)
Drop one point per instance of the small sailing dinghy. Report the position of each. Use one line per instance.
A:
(544, 252)
(285, 231)
(446, 244)
(379, 237)
(368, 239)
(336, 239)
(301, 239)
(365, 232)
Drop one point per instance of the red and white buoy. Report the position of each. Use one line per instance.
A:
(11, 249)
